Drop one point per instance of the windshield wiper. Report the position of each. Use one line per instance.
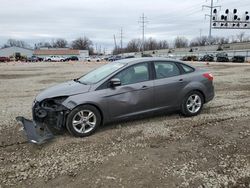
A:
(77, 80)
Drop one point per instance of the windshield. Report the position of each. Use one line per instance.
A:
(100, 73)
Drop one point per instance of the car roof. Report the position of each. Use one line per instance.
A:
(145, 59)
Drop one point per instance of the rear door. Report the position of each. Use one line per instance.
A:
(168, 84)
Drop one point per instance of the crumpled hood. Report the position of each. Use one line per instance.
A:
(64, 89)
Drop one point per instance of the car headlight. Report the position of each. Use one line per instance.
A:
(53, 103)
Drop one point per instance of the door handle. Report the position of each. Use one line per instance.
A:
(144, 87)
(181, 80)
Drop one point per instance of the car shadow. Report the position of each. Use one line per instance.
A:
(127, 122)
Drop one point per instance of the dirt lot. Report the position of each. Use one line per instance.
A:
(210, 150)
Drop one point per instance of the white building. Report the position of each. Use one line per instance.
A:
(15, 51)
(64, 52)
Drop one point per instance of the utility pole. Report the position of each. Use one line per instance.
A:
(115, 42)
(96, 48)
(143, 21)
(100, 49)
(211, 7)
(121, 40)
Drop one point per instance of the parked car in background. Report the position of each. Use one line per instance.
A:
(72, 58)
(4, 59)
(130, 56)
(238, 59)
(54, 58)
(115, 58)
(93, 59)
(117, 91)
(146, 55)
(207, 57)
(96, 59)
(87, 59)
(106, 58)
(190, 58)
(34, 59)
(222, 57)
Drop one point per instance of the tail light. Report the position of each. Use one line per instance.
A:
(209, 76)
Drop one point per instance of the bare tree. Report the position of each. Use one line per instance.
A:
(83, 43)
(133, 45)
(204, 40)
(59, 43)
(240, 37)
(223, 40)
(181, 42)
(42, 45)
(163, 44)
(150, 44)
(17, 43)
(199, 41)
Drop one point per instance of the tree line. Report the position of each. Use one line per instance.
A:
(81, 43)
(135, 45)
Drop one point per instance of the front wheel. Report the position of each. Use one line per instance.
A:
(83, 120)
(192, 104)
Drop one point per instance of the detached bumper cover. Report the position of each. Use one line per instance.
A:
(36, 133)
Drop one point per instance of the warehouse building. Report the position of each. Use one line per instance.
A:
(15, 52)
(64, 52)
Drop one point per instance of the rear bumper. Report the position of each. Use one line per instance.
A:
(35, 132)
(210, 94)
(209, 98)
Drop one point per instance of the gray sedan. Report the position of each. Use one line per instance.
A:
(117, 91)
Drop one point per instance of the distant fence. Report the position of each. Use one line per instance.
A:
(231, 53)
(199, 54)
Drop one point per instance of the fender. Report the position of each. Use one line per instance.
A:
(96, 100)
(194, 86)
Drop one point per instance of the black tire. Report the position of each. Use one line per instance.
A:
(184, 109)
(69, 123)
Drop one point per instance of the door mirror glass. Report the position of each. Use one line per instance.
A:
(115, 82)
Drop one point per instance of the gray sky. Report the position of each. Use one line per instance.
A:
(44, 20)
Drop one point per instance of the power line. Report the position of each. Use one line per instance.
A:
(211, 7)
(143, 21)
(188, 12)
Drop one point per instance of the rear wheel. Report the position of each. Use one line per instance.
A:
(192, 104)
(83, 120)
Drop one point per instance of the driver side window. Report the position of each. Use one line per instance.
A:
(134, 74)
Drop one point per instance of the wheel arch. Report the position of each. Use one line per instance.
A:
(94, 105)
(196, 86)
(201, 92)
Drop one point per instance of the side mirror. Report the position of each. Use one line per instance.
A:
(115, 82)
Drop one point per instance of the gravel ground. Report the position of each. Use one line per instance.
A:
(209, 150)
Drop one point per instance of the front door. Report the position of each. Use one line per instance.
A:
(134, 96)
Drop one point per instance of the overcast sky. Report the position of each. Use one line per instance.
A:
(44, 20)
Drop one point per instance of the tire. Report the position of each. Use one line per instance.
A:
(84, 126)
(192, 104)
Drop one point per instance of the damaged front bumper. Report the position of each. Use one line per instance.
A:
(48, 119)
(36, 133)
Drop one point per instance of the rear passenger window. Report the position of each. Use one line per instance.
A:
(166, 69)
(187, 69)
